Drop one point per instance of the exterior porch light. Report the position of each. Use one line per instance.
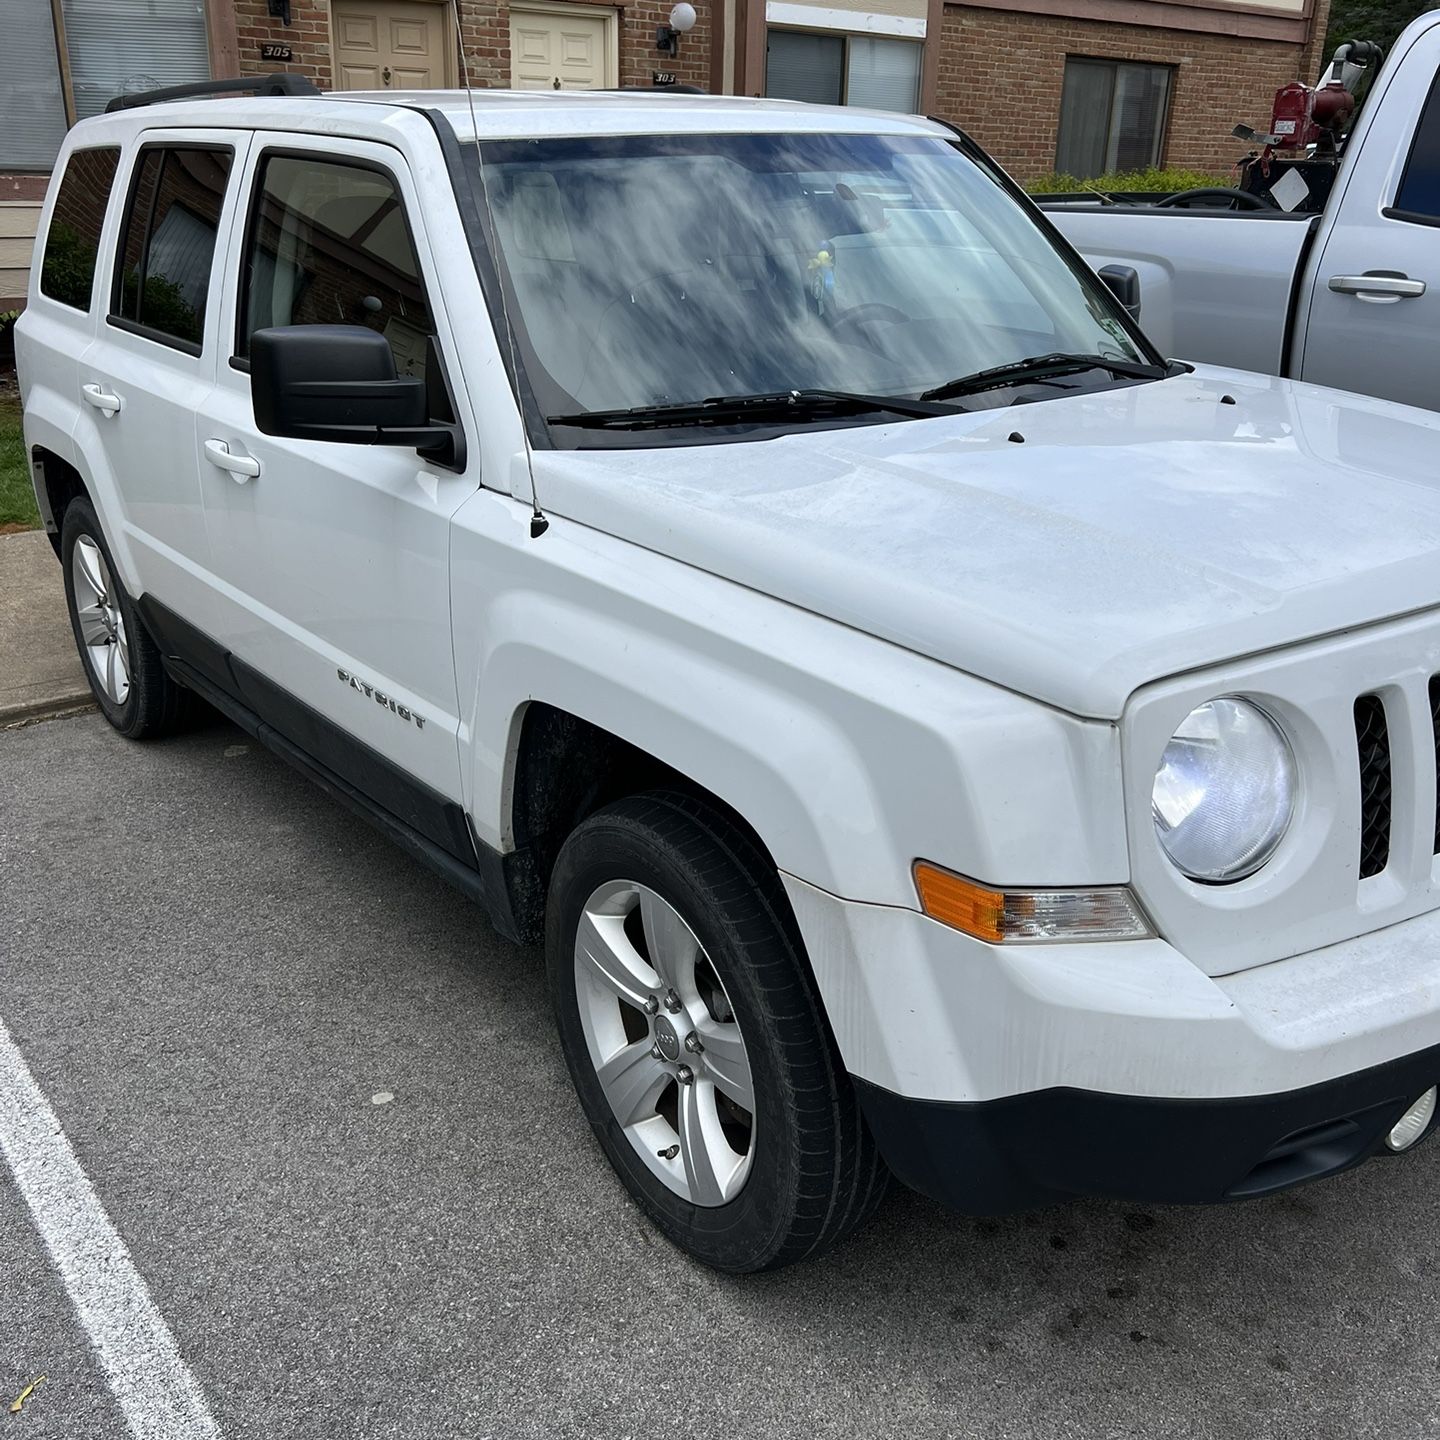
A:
(682, 21)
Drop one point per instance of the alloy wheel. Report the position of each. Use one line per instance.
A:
(665, 1043)
(102, 625)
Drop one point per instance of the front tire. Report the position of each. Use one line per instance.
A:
(696, 1041)
(122, 662)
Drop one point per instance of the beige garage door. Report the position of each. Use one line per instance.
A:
(562, 49)
(390, 45)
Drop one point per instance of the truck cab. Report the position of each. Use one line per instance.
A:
(1345, 297)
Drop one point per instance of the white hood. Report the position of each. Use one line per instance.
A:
(1135, 533)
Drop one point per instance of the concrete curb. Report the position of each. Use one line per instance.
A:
(46, 710)
(41, 675)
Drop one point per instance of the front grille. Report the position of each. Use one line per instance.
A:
(1372, 738)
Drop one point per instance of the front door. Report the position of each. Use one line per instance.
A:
(333, 559)
(562, 48)
(391, 45)
(1374, 280)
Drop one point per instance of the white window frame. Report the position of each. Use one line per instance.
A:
(786, 15)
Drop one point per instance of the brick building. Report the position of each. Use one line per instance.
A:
(1082, 86)
(1030, 80)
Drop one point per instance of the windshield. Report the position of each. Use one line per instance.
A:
(657, 270)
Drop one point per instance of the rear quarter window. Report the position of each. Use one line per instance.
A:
(72, 243)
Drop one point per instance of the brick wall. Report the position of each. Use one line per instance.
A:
(486, 29)
(308, 36)
(1001, 74)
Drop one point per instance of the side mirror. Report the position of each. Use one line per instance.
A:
(338, 383)
(1123, 282)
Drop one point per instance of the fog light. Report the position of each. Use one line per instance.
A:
(1411, 1125)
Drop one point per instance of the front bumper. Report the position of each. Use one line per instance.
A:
(995, 1156)
(998, 1076)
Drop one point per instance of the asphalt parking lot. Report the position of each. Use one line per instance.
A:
(210, 970)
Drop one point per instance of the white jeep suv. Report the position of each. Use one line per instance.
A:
(741, 545)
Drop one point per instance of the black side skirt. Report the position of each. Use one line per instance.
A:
(420, 821)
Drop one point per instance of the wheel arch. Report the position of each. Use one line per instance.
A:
(60, 478)
(57, 482)
(562, 769)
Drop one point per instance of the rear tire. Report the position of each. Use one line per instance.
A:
(805, 1172)
(122, 662)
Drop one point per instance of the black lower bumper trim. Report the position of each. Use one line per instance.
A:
(996, 1156)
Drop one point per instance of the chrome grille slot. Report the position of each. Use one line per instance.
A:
(1372, 739)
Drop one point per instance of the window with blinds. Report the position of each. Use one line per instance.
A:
(802, 66)
(121, 49)
(883, 74)
(842, 69)
(30, 95)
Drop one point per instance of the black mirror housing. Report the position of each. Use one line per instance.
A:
(338, 383)
(1123, 282)
(320, 382)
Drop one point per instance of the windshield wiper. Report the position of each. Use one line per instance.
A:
(1042, 367)
(785, 406)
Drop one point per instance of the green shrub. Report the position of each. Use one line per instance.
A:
(17, 499)
(1151, 180)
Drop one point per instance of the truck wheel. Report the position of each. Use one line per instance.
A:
(121, 661)
(695, 1038)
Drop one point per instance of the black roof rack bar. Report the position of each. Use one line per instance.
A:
(658, 90)
(279, 84)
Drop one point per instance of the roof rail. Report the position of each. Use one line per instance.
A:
(658, 90)
(279, 84)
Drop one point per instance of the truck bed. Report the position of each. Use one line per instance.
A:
(1215, 286)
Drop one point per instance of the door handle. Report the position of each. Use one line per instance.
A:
(242, 467)
(1383, 287)
(102, 400)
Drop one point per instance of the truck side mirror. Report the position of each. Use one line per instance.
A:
(333, 382)
(1123, 282)
(338, 383)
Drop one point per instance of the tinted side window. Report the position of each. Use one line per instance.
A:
(1420, 187)
(67, 272)
(169, 240)
(328, 244)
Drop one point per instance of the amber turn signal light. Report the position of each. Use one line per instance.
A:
(1030, 917)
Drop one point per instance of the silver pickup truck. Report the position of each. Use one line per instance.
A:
(1348, 296)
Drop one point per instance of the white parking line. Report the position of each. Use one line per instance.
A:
(153, 1386)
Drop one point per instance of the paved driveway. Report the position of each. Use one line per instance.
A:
(210, 970)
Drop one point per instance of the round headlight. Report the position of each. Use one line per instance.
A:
(1224, 792)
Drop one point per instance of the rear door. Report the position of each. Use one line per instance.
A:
(152, 361)
(332, 560)
(1374, 283)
